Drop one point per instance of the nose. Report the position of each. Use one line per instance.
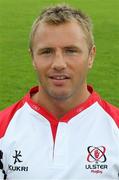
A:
(58, 62)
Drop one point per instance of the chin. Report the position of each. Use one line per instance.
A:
(60, 96)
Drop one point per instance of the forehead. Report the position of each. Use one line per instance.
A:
(50, 34)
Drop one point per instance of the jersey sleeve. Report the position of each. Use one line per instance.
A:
(5, 119)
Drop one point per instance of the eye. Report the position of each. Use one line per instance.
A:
(71, 51)
(46, 51)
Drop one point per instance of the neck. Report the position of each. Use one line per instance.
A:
(60, 107)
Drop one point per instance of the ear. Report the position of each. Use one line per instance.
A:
(31, 55)
(91, 57)
(34, 65)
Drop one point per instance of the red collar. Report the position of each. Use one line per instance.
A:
(92, 99)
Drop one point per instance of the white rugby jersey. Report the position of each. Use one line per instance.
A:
(84, 144)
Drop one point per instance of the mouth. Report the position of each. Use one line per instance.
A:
(59, 77)
(59, 80)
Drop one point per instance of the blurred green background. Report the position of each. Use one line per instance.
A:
(16, 73)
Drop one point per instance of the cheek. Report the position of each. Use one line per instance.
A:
(41, 63)
(81, 70)
(80, 65)
(41, 73)
(38, 66)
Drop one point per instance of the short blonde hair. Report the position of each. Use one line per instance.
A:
(60, 14)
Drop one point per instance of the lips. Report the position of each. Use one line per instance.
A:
(59, 77)
(59, 80)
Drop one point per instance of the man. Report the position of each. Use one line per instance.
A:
(62, 129)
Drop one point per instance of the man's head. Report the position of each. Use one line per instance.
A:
(61, 14)
(62, 51)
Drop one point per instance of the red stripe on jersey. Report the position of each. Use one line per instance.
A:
(6, 116)
(54, 131)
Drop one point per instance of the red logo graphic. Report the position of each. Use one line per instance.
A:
(96, 154)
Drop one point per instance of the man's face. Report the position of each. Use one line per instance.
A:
(61, 58)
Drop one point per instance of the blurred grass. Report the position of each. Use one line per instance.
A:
(16, 73)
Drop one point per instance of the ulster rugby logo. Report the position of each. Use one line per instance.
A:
(96, 154)
(96, 159)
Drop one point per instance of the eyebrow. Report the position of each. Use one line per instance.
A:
(65, 47)
(71, 46)
(44, 48)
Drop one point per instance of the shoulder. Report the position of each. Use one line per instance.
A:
(112, 110)
(7, 114)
